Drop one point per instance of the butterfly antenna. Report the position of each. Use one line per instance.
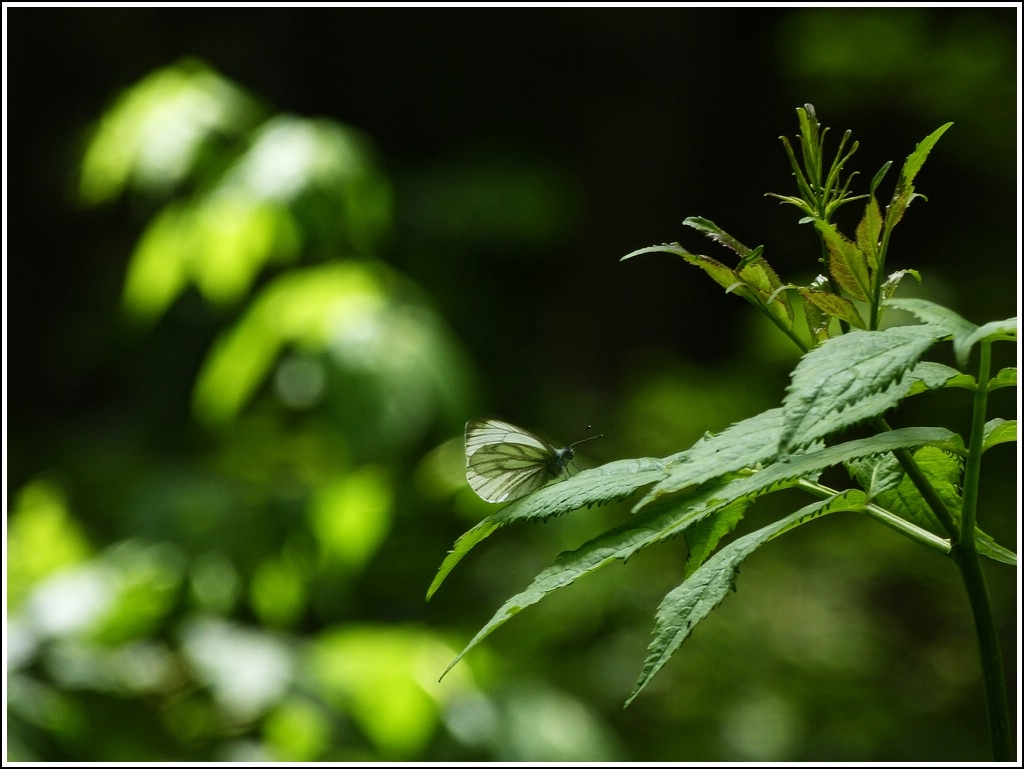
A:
(589, 438)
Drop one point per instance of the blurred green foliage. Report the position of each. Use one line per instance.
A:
(228, 500)
(329, 370)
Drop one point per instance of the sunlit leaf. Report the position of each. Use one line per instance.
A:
(310, 309)
(904, 192)
(42, 538)
(152, 136)
(380, 675)
(834, 306)
(717, 234)
(846, 263)
(868, 232)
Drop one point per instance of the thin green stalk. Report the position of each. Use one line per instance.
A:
(992, 672)
(893, 521)
(876, 295)
(966, 556)
(972, 472)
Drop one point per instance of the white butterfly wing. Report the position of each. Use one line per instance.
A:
(505, 462)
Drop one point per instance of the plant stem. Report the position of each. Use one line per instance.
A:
(972, 472)
(893, 521)
(966, 556)
(876, 294)
(992, 672)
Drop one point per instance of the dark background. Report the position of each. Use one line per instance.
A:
(624, 122)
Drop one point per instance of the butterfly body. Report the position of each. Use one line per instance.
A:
(505, 462)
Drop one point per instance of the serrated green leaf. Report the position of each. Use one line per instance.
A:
(850, 378)
(718, 272)
(664, 248)
(760, 277)
(915, 161)
(818, 321)
(706, 588)
(964, 333)
(791, 470)
(615, 545)
(936, 315)
(703, 537)
(996, 331)
(904, 192)
(596, 486)
(847, 263)
(668, 519)
(744, 445)
(943, 470)
(893, 282)
(834, 306)
(717, 234)
(989, 548)
(869, 231)
(999, 431)
(1006, 377)
(877, 474)
(927, 375)
(963, 381)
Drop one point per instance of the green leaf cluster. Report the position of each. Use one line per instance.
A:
(920, 481)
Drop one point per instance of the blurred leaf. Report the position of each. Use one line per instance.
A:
(325, 174)
(152, 136)
(277, 590)
(248, 670)
(219, 243)
(306, 308)
(297, 730)
(383, 677)
(42, 538)
(144, 580)
(351, 517)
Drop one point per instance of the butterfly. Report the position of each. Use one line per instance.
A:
(505, 462)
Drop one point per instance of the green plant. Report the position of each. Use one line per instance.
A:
(922, 481)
